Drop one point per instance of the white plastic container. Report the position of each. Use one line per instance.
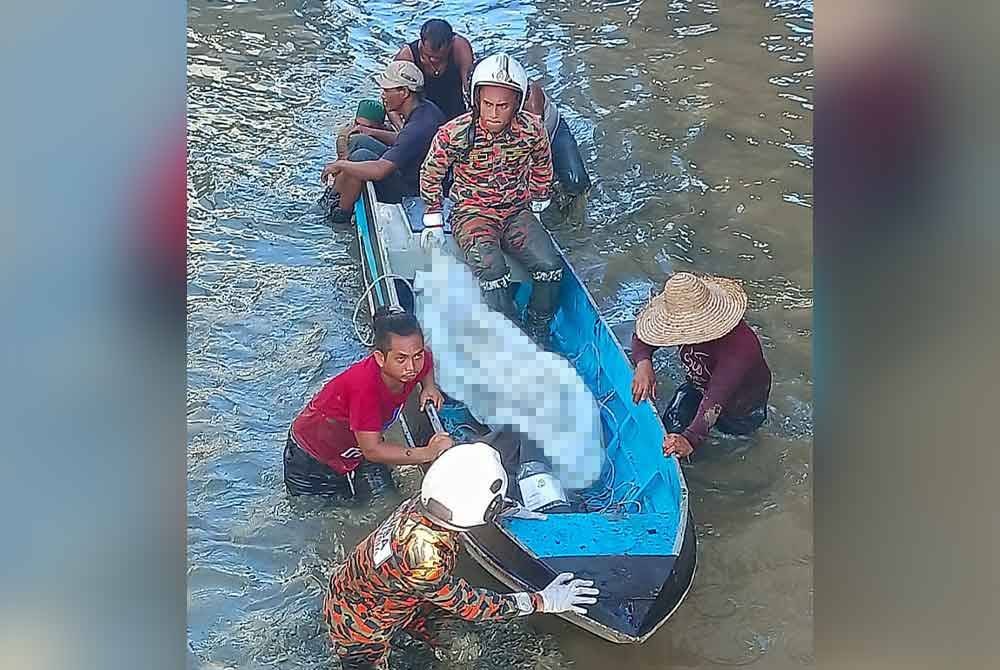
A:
(540, 490)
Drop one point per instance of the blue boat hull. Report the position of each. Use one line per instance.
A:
(632, 533)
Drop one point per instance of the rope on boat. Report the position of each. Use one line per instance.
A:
(601, 502)
(364, 294)
(605, 500)
(470, 429)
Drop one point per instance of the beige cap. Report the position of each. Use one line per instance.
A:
(691, 310)
(401, 74)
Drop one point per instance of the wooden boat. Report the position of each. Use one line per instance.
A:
(632, 533)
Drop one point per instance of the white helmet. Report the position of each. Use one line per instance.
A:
(501, 70)
(464, 487)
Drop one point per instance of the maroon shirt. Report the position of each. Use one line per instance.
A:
(356, 400)
(730, 372)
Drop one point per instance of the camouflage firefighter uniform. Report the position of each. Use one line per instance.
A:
(400, 579)
(496, 178)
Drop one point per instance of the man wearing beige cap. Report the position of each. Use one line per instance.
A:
(392, 160)
(728, 381)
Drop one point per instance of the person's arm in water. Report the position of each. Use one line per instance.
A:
(376, 449)
(461, 52)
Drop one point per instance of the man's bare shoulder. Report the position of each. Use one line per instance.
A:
(463, 42)
(404, 53)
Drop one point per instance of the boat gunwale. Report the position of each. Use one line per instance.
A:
(484, 558)
(508, 579)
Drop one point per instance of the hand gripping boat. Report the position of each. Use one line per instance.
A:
(632, 533)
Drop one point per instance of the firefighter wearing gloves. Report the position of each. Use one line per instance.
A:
(400, 578)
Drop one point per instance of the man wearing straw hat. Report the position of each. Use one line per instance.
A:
(727, 380)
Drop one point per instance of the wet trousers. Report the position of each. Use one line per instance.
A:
(426, 626)
(567, 162)
(683, 406)
(304, 475)
(484, 237)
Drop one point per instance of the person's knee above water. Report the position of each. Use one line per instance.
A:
(445, 59)
(502, 177)
(728, 381)
(402, 575)
(567, 163)
(392, 160)
(370, 115)
(341, 428)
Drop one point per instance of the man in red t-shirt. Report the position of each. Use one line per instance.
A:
(339, 433)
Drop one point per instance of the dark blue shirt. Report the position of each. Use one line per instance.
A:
(414, 141)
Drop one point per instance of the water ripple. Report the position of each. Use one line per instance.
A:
(695, 121)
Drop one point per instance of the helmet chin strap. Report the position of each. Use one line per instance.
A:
(437, 520)
(470, 137)
(491, 513)
(444, 524)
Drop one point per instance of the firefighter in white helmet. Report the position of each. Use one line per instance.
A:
(400, 578)
(501, 165)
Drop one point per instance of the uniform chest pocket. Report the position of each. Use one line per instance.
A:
(517, 155)
(482, 159)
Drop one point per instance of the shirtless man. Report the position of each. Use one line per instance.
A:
(446, 61)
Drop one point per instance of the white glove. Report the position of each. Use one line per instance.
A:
(566, 594)
(539, 206)
(433, 234)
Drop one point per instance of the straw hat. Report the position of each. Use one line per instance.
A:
(691, 310)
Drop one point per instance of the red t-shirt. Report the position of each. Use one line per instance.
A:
(355, 400)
